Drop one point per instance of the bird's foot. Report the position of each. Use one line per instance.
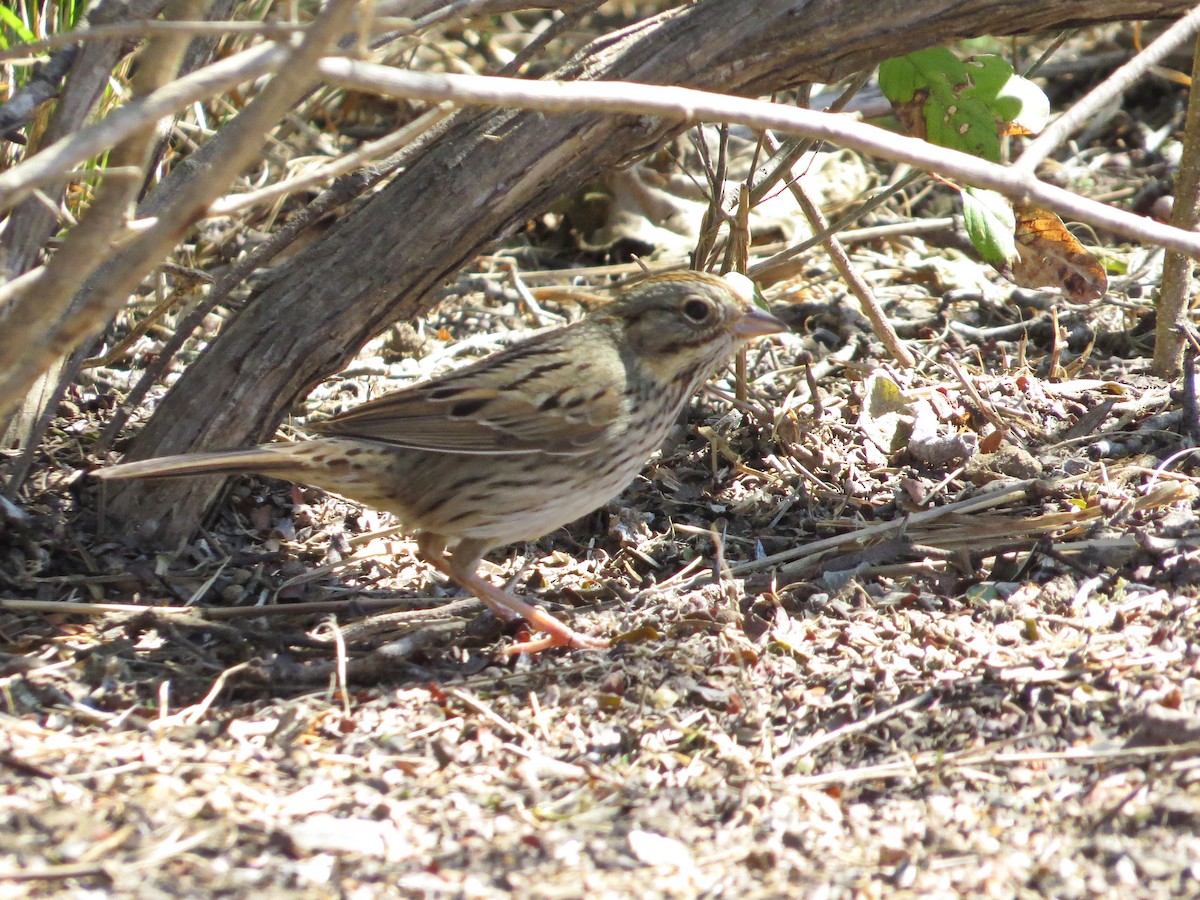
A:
(509, 608)
(558, 635)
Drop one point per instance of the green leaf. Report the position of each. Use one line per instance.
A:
(11, 20)
(902, 76)
(962, 104)
(990, 225)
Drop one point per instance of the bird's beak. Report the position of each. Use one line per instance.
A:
(757, 322)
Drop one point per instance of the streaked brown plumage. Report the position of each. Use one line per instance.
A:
(519, 443)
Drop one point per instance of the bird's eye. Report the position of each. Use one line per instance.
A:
(697, 310)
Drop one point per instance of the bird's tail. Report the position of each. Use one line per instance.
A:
(266, 460)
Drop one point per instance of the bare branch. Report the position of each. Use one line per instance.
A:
(113, 284)
(1178, 286)
(368, 152)
(57, 160)
(692, 105)
(1106, 92)
(40, 88)
(837, 253)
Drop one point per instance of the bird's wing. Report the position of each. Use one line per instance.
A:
(544, 396)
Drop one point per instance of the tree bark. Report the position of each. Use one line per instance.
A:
(490, 171)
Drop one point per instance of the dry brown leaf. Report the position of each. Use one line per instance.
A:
(911, 113)
(1048, 255)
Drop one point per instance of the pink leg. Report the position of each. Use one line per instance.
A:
(462, 569)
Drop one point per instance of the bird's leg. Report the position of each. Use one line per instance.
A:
(432, 548)
(461, 568)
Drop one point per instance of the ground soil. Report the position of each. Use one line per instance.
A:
(878, 631)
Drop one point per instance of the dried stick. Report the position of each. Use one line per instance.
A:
(595, 96)
(1106, 92)
(114, 283)
(1177, 287)
(87, 245)
(41, 87)
(837, 253)
(693, 106)
(59, 160)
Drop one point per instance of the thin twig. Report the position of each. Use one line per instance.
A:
(1106, 92)
(60, 158)
(54, 333)
(837, 253)
(43, 86)
(814, 743)
(368, 152)
(144, 28)
(219, 613)
(693, 105)
(1177, 282)
(492, 716)
(782, 264)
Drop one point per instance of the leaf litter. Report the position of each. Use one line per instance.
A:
(880, 632)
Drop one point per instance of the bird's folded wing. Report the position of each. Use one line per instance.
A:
(486, 411)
